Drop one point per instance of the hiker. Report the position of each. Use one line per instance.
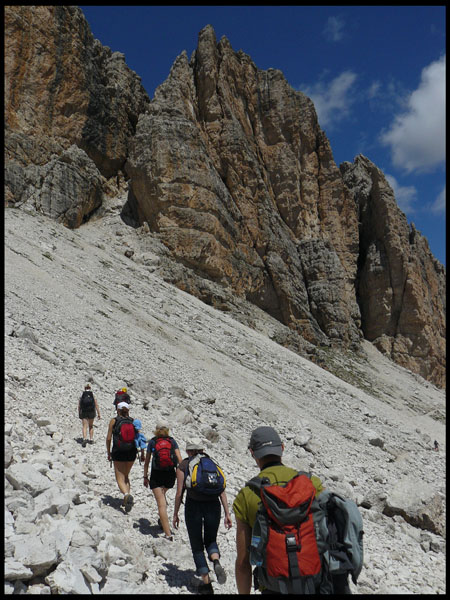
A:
(87, 406)
(121, 396)
(165, 455)
(122, 433)
(266, 448)
(140, 439)
(436, 445)
(202, 515)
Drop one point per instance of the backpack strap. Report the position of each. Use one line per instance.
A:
(256, 484)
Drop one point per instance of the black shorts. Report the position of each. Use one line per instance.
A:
(165, 479)
(87, 413)
(123, 456)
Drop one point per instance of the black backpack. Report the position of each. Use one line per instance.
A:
(87, 400)
(124, 434)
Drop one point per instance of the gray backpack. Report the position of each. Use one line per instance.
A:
(339, 529)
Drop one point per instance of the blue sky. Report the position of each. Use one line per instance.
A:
(376, 75)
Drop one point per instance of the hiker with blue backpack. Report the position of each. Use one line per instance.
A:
(204, 482)
(140, 439)
(163, 450)
(87, 407)
(122, 433)
(300, 538)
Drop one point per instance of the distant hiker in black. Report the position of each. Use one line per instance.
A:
(436, 445)
(87, 406)
(122, 432)
(165, 455)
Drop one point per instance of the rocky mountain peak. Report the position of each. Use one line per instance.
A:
(226, 166)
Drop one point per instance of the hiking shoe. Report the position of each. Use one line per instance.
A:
(220, 572)
(169, 538)
(91, 441)
(127, 502)
(205, 588)
(83, 443)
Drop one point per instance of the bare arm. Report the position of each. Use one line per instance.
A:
(146, 465)
(243, 569)
(178, 497)
(178, 455)
(96, 408)
(109, 438)
(228, 522)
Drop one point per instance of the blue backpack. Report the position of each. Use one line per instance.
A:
(204, 475)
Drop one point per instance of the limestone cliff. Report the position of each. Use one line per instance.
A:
(229, 168)
(71, 107)
(400, 286)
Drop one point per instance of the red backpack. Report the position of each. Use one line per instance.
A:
(124, 434)
(164, 455)
(283, 548)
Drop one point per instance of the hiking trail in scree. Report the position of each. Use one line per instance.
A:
(77, 310)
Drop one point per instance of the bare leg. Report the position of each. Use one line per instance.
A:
(91, 429)
(85, 427)
(121, 470)
(160, 495)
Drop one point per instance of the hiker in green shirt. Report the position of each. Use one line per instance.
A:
(266, 448)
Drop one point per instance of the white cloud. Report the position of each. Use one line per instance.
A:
(438, 206)
(417, 135)
(333, 30)
(374, 90)
(332, 101)
(405, 195)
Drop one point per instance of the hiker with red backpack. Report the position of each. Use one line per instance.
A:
(122, 433)
(87, 407)
(300, 538)
(165, 455)
(121, 396)
(204, 482)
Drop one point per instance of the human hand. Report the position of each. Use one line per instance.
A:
(175, 521)
(228, 522)
(146, 482)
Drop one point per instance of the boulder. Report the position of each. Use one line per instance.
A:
(418, 504)
(24, 476)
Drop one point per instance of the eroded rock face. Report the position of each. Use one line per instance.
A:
(401, 286)
(63, 88)
(231, 168)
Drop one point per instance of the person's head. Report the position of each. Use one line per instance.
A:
(161, 429)
(194, 446)
(87, 386)
(123, 409)
(137, 423)
(265, 445)
(124, 390)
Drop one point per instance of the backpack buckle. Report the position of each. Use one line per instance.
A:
(291, 543)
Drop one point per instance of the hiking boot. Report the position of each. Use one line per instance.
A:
(83, 443)
(220, 572)
(91, 441)
(205, 588)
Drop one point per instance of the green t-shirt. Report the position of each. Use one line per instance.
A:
(247, 501)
